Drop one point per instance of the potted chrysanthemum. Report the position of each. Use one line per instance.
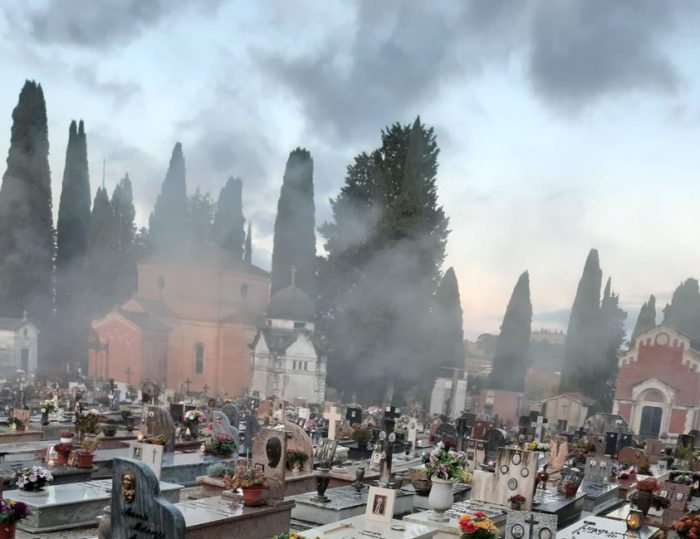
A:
(250, 480)
(193, 418)
(11, 511)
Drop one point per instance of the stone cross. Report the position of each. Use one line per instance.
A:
(539, 424)
(188, 382)
(332, 416)
(138, 509)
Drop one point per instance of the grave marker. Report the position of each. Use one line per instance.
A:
(633, 457)
(626, 440)
(515, 472)
(234, 416)
(156, 421)
(138, 509)
(222, 427)
(269, 454)
(150, 454)
(353, 415)
(332, 416)
(298, 440)
(597, 470)
(611, 443)
(177, 412)
(412, 432)
(525, 524)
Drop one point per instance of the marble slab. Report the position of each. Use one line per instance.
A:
(598, 498)
(73, 505)
(460, 493)
(359, 528)
(225, 518)
(450, 528)
(551, 502)
(604, 528)
(8, 436)
(345, 503)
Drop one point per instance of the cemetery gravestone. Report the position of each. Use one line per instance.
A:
(678, 496)
(265, 409)
(475, 454)
(480, 428)
(597, 470)
(138, 509)
(685, 441)
(653, 449)
(447, 434)
(269, 454)
(332, 416)
(234, 416)
(631, 456)
(465, 423)
(515, 472)
(556, 458)
(177, 412)
(494, 441)
(525, 524)
(150, 454)
(222, 427)
(412, 432)
(353, 415)
(626, 440)
(611, 443)
(325, 452)
(156, 421)
(298, 440)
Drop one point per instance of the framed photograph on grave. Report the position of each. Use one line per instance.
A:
(150, 454)
(380, 504)
(73, 459)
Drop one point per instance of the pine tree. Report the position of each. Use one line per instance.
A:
(248, 257)
(613, 334)
(228, 229)
(646, 319)
(684, 311)
(580, 355)
(124, 214)
(169, 230)
(26, 222)
(294, 243)
(510, 361)
(385, 246)
(73, 228)
(201, 216)
(447, 319)
(101, 255)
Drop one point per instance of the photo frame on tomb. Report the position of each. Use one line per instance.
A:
(150, 454)
(380, 504)
(73, 459)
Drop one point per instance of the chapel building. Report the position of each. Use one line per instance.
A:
(188, 326)
(286, 360)
(658, 384)
(18, 346)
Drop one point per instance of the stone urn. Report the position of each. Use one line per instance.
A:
(440, 499)
(322, 479)
(45, 418)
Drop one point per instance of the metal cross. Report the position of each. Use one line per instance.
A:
(128, 373)
(187, 383)
(531, 521)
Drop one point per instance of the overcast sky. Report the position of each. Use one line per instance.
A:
(562, 125)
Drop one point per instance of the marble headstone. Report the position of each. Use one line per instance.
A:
(475, 452)
(631, 456)
(494, 441)
(177, 411)
(157, 421)
(234, 416)
(150, 454)
(626, 440)
(325, 451)
(222, 427)
(412, 431)
(138, 509)
(298, 440)
(269, 454)
(653, 449)
(447, 434)
(353, 415)
(611, 443)
(480, 428)
(526, 524)
(597, 470)
(515, 472)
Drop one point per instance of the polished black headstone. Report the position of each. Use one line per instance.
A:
(611, 443)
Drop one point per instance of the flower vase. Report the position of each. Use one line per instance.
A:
(644, 499)
(45, 418)
(7, 530)
(322, 479)
(252, 495)
(193, 427)
(440, 499)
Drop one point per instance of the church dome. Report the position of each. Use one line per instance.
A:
(291, 303)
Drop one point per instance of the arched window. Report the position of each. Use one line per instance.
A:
(198, 358)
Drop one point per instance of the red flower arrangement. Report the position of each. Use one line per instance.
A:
(477, 526)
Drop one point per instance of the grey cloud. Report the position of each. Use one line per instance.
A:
(89, 23)
(560, 317)
(583, 51)
(120, 92)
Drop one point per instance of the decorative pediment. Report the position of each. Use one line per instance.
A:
(656, 385)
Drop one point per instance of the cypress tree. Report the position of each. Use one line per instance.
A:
(584, 329)
(294, 243)
(169, 230)
(201, 216)
(249, 245)
(510, 361)
(447, 316)
(102, 255)
(602, 385)
(26, 222)
(73, 227)
(126, 251)
(684, 311)
(228, 229)
(385, 246)
(646, 319)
